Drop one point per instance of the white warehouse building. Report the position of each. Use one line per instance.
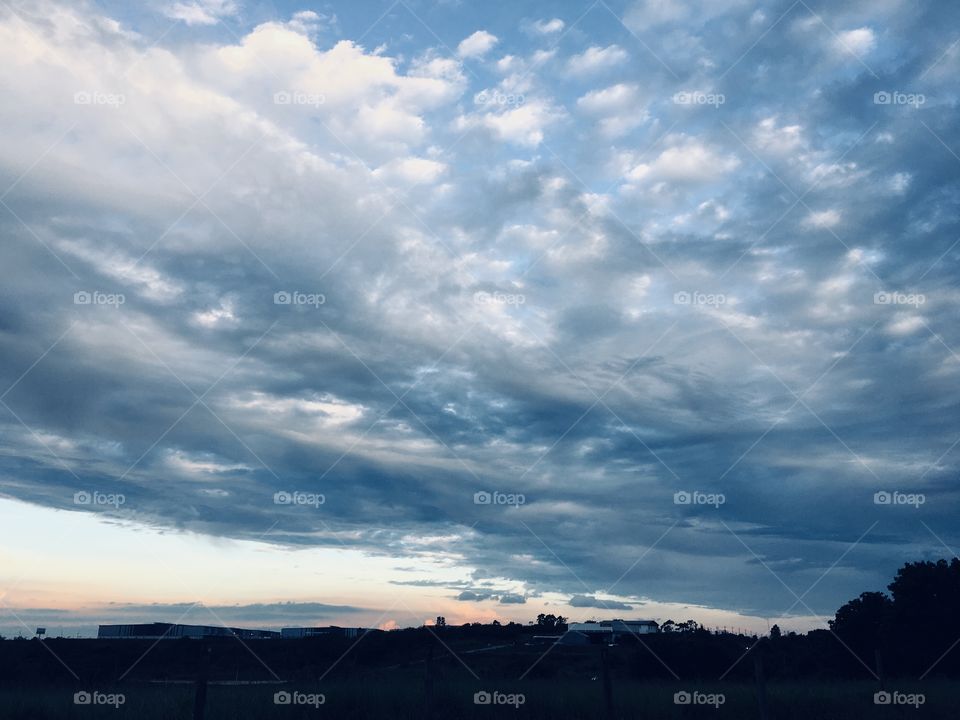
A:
(607, 631)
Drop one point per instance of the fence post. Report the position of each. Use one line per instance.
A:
(761, 685)
(200, 693)
(607, 683)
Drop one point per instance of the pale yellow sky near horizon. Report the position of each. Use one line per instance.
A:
(86, 564)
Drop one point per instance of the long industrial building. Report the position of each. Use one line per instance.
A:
(160, 630)
(172, 631)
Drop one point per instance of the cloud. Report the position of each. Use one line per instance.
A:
(611, 99)
(476, 45)
(596, 59)
(823, 219)
(523, 125)
(687, 160)
(859, 41)
(204, 12)
(905, 324)
(618, 107)
(511, 599)
(411, 170)
(590, 601)
(487, 271)
(646, 14)
(548, 27)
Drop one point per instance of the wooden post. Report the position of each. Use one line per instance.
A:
(761, 685)
(607, 683)
(200, 693)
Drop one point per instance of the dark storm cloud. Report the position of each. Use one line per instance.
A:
(583, 601)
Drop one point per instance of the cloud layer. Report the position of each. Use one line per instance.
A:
(682, 276)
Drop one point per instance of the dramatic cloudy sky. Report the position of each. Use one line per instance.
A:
(591, 254)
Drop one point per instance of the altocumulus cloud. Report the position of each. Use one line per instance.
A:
(281, 260)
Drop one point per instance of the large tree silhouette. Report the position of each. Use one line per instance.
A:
(915, 625)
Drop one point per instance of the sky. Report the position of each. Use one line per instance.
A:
(364, 313)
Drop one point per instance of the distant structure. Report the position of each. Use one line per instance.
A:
(635, 627)
(171, 631)
(158, 631)
(606, 631)
(41, 632)
(309, 632)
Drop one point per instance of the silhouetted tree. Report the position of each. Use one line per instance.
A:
(864, 618)
(926, 596)
(550, 622)
(912, 628)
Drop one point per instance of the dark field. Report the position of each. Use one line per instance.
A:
(420, 674)
(401, 696)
